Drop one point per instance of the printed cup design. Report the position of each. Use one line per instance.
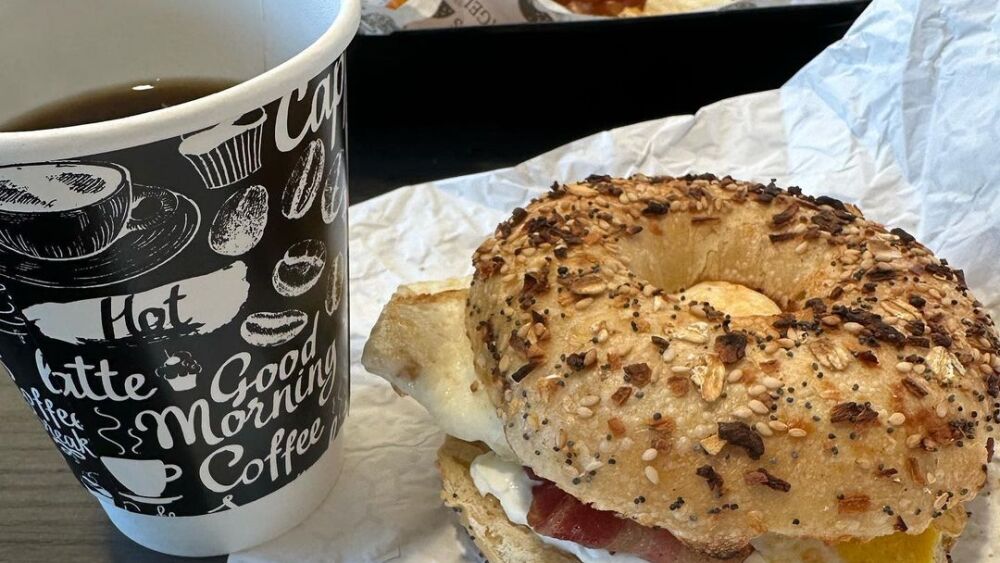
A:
(77, 224)
(240, 222)
(180, 370)
(335, 190)
(273, 329)
(335, 285)
(186, 369)
(228, 152)
(300, 268)
(90, 204)
(304, 181)
(147, 478)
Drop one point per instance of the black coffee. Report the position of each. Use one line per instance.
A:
(115, 102)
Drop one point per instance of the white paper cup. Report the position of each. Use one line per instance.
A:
(187, 347)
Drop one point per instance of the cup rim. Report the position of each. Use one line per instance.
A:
(105, 136)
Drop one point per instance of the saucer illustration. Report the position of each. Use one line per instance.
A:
(73, 224)
(146, 478)
(151, 500)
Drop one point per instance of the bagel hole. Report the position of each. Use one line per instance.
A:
(677, 255)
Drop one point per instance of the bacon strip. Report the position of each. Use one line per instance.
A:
(559, 515)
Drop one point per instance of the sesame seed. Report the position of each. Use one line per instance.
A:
(778, 426)
(771, 383)
(693, 338)
(771, 348)
(680, 369)
(786, 343)
(758, 407)
(831, 320)
(763, 429)
(853, 327)
(797, 433)
(603, 335)
(913, 440)
(584, 412)
(941, 409)
(668, 355)
(650, 454)
(904, 367)
(734, 376)
(742, 412)
(756, 390)
(801, 248)
(583, 303)
(897, 419)
(941, 501)
(652, 474)
(590, 400)
(919, 369)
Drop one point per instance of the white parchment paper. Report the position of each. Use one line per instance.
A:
(902, 117)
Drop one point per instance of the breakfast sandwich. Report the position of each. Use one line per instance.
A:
(698, 369)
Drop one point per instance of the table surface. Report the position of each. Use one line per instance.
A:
(474, 102)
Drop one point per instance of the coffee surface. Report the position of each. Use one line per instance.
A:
(115, 102)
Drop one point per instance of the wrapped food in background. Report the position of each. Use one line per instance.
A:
(382, 17)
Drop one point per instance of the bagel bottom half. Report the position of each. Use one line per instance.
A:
(501, 541)
(498, 539)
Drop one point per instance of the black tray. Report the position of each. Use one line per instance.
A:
(431, 104)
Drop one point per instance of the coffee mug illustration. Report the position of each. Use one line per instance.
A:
(80, 224)
(146, 478)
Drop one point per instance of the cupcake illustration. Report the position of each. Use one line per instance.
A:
(180, 370)
(228, 152)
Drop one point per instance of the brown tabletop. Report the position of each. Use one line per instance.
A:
(45, 515)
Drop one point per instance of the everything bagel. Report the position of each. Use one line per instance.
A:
(862, 409)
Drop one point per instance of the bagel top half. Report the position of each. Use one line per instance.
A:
(863, 409)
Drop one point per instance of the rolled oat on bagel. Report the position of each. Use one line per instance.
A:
(835, 382)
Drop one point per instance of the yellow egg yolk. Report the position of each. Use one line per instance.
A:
(898, 548)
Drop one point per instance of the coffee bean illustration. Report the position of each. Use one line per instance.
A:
(267, 329)
(239, 224)
(335, 284)
(304, 182)
(299, 269)
(335, 190)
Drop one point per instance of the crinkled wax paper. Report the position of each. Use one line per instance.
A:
(902, 117)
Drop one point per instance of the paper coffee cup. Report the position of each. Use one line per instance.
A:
(173, 285)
